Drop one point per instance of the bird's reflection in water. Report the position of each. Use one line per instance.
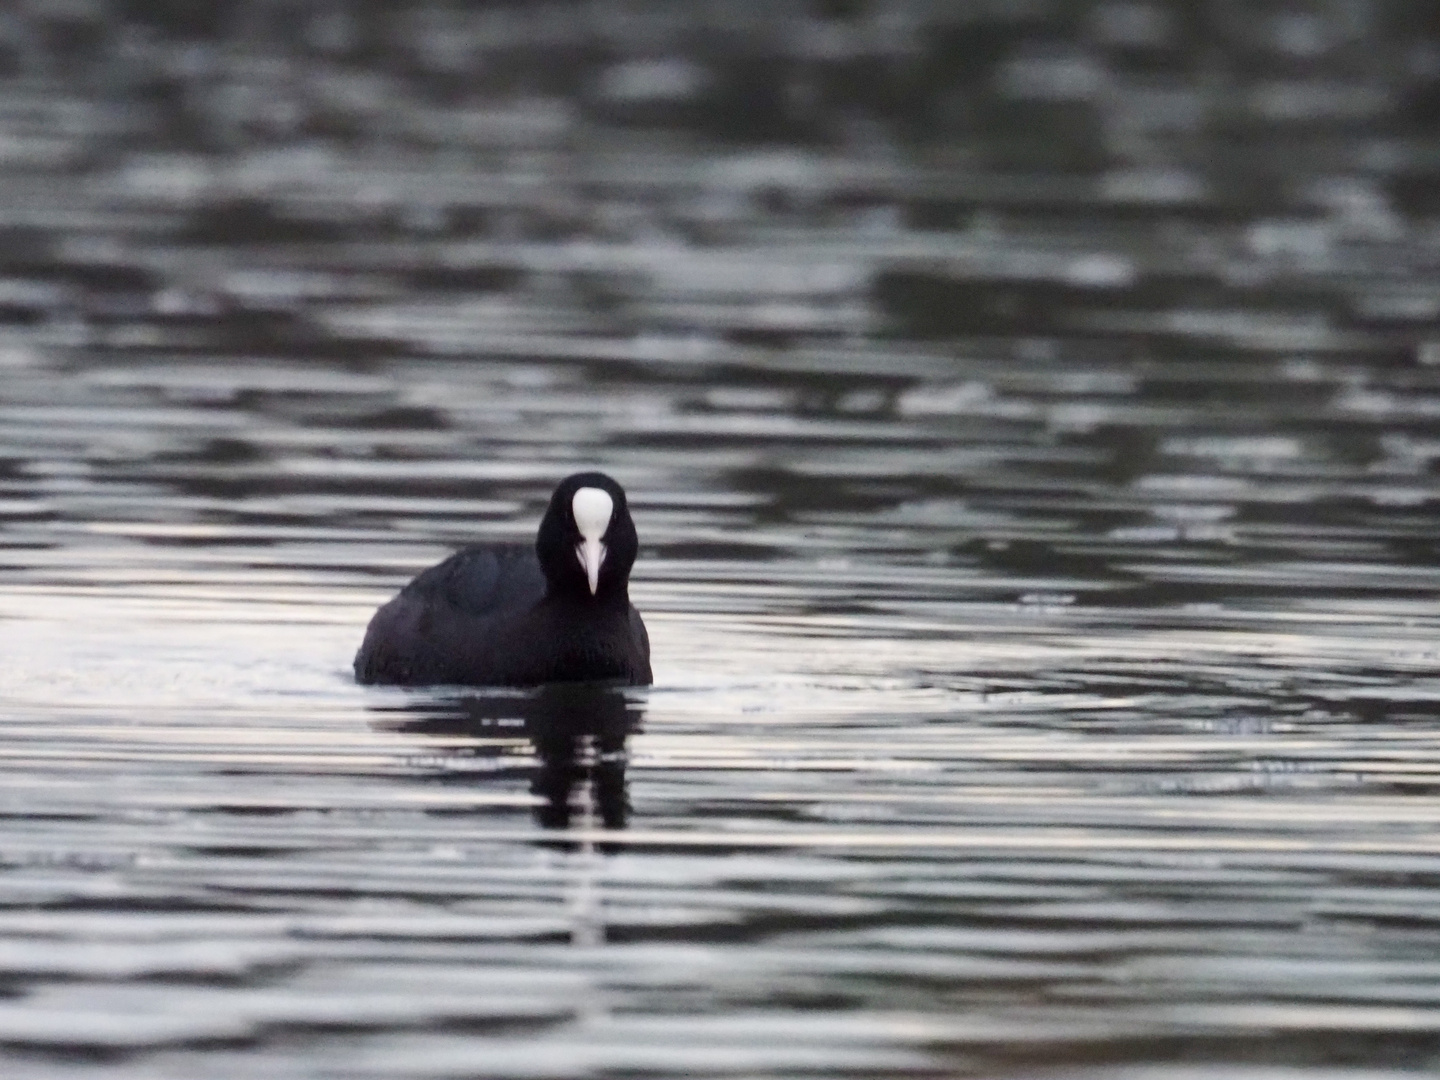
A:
(578, 731)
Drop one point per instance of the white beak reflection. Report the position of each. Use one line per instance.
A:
(592, 508)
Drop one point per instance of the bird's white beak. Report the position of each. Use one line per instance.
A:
(592, 508)
(591, 554)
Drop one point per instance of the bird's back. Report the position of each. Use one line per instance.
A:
(450, 614)
(482, 580)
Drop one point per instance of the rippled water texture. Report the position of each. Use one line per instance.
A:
(1044, 631)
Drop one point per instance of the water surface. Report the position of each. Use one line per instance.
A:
(1045, 651)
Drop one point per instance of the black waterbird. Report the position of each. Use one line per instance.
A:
(509, 615)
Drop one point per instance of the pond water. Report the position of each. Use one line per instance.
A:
(1043, 607)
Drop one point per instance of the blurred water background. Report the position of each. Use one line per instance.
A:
(1031, 412)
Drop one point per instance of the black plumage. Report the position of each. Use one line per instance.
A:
(508, 615)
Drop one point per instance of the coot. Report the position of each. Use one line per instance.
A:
(508, 615)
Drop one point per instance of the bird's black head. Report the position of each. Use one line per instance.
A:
(587, 541)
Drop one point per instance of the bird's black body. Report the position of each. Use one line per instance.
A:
(507, 615)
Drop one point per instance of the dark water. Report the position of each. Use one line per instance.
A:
(1041, 574)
